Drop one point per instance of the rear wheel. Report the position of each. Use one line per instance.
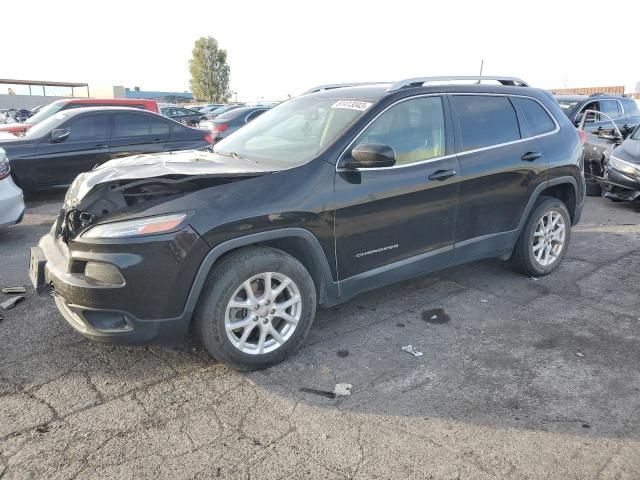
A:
(544, 239)
(256, 309)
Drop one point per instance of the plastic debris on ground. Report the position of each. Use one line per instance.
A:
(579, 354)
(411, 349)
(14, 289)
(342, 389)
(9, 304)
(483, 300)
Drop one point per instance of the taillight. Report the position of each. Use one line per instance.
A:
(209, 138)
(583, 136)
(219, 127)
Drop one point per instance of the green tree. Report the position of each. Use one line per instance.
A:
(209, 71)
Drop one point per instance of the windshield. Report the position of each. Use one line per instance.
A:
(295, 131)
(45, 112)
(47, 125)
(568, 106)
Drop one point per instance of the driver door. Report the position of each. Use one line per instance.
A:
(399, 221)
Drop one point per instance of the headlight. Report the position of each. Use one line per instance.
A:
(136, 228)
(5, 168)
(624, 166)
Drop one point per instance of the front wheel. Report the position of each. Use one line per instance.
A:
(544, 239)
(256, 309)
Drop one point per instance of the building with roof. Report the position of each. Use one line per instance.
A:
(15, 93)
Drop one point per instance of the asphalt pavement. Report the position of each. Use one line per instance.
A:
(519, 378)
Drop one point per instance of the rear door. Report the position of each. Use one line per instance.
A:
(501, 163)
(134, 133)
(84, 148)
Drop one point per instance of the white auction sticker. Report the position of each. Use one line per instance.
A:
(351, 105)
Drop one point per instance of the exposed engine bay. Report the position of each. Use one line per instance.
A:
(111, 198)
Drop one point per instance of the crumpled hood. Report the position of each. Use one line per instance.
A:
(629, 151)
(183, 163)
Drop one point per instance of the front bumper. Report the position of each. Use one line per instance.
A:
(620, 186)
(124, 292)
(11, 203)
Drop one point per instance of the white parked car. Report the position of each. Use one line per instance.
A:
(11, 199)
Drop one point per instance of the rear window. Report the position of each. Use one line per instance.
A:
(537, 118)
(485, 120)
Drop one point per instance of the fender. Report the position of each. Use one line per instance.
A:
(329, 290)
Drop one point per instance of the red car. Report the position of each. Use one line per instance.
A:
(59, 105)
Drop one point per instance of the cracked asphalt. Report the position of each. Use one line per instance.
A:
(520, 378)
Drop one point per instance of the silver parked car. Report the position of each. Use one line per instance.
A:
(11, 199)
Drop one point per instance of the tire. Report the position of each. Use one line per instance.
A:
(593, 189)
(524, 259)
(228, 281)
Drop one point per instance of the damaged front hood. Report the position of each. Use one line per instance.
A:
(184, 163)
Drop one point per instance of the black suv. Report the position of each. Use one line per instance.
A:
(327, 195)
(622, 110)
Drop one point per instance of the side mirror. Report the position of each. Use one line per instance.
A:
(59, 135)
(371, 155)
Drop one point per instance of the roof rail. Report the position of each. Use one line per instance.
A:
(332, 86)
(419, 81)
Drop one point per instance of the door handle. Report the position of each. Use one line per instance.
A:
(531, 156)
(157, 140)
(442, 174)
(101, 145)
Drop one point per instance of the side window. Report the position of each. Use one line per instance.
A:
(90, 127)
(591, 116)
(130, 125)
(536, 117)
(413, 128)
(611, 108)
(485, 120)
(158, 127)
(630, 106)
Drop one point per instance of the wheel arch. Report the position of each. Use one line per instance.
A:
(562, 188)
(297, 242)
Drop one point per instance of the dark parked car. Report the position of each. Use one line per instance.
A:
(622, 110)
(325, 196)
(54, 151)
(622, 171)
(612, 164)
(47, 111)
(185, 116)
(224, 125)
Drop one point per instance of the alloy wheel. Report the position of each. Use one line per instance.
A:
(263, 313)
(549, 238)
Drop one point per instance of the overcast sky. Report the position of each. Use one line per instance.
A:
(278, 48)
